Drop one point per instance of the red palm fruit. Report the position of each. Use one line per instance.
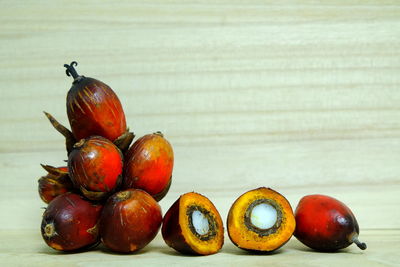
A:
(70, 223)
(148, 165)
(326, 224)
(95, 166)
(93, 108)
(55, 183)
(129, 221)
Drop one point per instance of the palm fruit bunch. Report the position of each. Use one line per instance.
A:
(109, 190)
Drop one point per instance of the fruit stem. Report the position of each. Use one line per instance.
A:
(71, 71)
(359, 244)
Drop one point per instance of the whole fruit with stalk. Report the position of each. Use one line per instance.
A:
(326, 224)
(93, 108)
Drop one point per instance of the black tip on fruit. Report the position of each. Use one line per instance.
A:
(70, 71)
(360, 244)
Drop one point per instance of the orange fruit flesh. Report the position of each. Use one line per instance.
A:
(253, 238)
(209, 243)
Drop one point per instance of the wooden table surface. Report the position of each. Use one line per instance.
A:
(299, 96)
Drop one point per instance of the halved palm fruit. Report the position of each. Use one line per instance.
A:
(193, 225)
(260, 220)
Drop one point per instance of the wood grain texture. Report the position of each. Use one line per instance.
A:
(300, 96)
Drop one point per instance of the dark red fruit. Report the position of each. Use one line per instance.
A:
(129, 221)
(70, 223)
(326, 224)
(148, 165)
(95, 166)
(93, 108)
(55, 183)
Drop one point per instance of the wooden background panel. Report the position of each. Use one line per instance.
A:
(300, 96)
(208, 72)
